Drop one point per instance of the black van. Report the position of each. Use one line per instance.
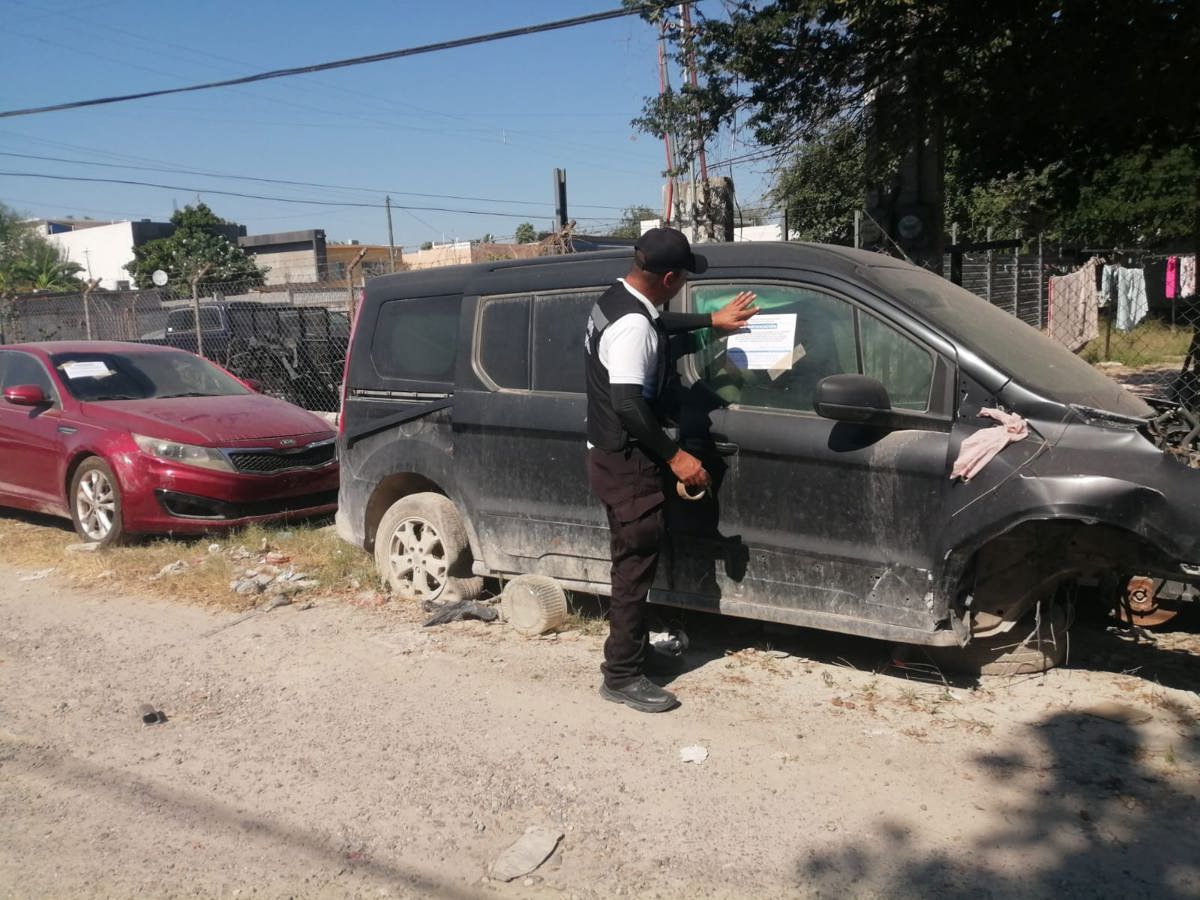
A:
(462, 448)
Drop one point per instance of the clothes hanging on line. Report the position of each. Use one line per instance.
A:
(1172, 276)
(1132, 305)
(1073, 315)
(1187, 276)
(1108, 285)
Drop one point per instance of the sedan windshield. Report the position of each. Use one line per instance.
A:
(142, 376)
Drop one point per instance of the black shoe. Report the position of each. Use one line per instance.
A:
(659, 663)
(642, 694)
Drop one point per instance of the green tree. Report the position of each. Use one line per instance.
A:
(196, 244)
(631, 221)
(823, 185)
(1140, 199)
(488, 238)
(28, 262)
(45, 268)
(426, 245)
(998, 84)
(526, 233)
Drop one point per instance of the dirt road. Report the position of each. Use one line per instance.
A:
(343, 751)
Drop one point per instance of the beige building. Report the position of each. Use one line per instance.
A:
(462, 252)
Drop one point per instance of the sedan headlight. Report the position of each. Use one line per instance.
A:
(187, 454)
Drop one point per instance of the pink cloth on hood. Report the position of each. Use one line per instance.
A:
(978, 449)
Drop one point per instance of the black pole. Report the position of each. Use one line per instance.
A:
(560, 198)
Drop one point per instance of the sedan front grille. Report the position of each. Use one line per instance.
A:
(268, 462)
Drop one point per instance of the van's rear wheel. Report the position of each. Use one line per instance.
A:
(1031, 646)
(422, 552)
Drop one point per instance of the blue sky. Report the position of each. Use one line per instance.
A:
(490, 121)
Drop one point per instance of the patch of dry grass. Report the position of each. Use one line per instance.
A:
(33, 544)
(1152, 342)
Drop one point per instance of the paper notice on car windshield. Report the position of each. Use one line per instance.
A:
(91, 369)
(768, 341)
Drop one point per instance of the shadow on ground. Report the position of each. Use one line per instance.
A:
(1170, 657)
(1091, 819)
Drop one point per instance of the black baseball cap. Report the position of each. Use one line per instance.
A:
(662, 250)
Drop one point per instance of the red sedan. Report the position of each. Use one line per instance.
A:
(136, 439)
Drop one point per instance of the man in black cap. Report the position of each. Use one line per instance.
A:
(628, 451)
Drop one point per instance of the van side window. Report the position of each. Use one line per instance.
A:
(416, 339)
(801, 335)
(504, 341)
(904, 367)
(559, 326)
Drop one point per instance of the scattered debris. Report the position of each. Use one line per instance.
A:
(270, 579)
(694, 754)
(150, 715)
(675, 641)
(38, 575)
(214, 548)
(276, 558)
(463, 609)
(532, 849)
(175, 568)
(82, 548)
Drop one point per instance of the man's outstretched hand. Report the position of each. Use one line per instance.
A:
(734, 314)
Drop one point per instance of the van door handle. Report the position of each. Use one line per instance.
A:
(726, 448)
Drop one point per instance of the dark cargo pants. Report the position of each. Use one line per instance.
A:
(630, 485)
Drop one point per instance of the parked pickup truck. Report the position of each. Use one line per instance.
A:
(294, 352)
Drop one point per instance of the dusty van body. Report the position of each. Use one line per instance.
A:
(832, 504)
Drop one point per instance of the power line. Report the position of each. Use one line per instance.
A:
(283, 181)
(345, 63)
(201, 190)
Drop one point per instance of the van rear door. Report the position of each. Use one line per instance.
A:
(519, 430)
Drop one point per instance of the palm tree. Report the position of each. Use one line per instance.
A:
(45, 268)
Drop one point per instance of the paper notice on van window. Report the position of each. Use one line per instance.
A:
(91, 369)
(768, 341)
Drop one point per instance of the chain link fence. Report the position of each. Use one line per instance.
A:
(291, 342)
(1131, 314)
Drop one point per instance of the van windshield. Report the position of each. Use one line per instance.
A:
(1016, 349)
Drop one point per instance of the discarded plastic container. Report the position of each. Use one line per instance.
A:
(150, 715)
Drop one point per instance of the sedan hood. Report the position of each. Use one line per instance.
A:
(211, 421)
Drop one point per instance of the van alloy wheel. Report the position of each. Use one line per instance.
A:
(422, 552)
(417, 558)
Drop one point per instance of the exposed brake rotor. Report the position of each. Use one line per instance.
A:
(1141, 606)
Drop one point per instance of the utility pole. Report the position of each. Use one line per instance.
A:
(560, 199)
(350, 304)
(387, 201)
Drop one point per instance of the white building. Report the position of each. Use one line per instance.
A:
(103, 249)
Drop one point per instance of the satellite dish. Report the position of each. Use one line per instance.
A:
(159, 277)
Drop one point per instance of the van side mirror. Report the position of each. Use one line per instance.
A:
(25, 395)
(851, 398)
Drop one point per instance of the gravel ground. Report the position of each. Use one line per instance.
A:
(343, 751)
